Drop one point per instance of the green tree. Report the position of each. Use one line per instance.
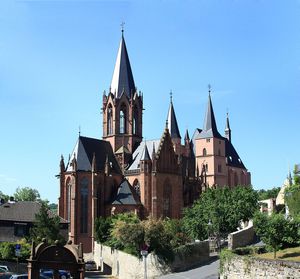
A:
(46, 226)
(268, 194)
(292, 195)
(4, 197)
(276, 231)
(103, 226)
(26, 194)
(219, 211)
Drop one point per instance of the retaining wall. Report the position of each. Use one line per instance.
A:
(126, 266)
(242, 237)
(253, 268)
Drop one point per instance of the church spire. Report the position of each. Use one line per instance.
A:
(210, 127)
(145, 155)
(172, 121)
(227, 129)
(122, 80)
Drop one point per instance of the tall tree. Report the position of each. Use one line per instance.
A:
(219, 211)
(4, 197)
(46, 226)
(26, 194)
(292, 195)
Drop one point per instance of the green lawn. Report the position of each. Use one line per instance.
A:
(289, 254)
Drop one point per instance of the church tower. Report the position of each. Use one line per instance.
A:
(122, 109)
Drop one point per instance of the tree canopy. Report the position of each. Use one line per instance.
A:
(27, 194)
(46, 226)
(292, 195)
(219, 211)
(268, 194)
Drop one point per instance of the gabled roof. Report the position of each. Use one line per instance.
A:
(209, 127)
(83, 153)
(22, 211)
(122, 79)
(137, 154)
(232, 157)
(172, 122)
(125, 195)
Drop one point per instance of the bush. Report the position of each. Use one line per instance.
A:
(7, 250)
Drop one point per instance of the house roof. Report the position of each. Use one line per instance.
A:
(232, 157)
(125, 195)
(137, 154)
(84, 150)
(22, 211)
(122, 80)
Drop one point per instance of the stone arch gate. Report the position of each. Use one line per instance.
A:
(56, 257)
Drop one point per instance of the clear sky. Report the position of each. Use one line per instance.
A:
(57, 57)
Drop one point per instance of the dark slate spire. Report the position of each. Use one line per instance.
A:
(187, 136)
(145, 154)
(227, 129)
(122, 79)
(172, 121)
(210, 127)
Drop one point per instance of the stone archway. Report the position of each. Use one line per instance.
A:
(56, 257)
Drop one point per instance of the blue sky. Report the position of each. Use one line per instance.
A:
(57, 57)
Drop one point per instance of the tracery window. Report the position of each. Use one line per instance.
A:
(136, 187)
(109, 120)
(123, 120)
(84, 205)
(167, 194)
(135, 121)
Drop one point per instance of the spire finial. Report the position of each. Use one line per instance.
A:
(122, 27)
(209, 89)
(171, 96)
(79, 130)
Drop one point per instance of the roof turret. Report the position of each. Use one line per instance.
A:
(227, 129)
(172, 121)
(145, 154)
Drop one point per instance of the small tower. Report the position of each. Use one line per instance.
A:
(227, 129)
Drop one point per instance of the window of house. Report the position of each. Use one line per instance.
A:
(219, 168)
(109, 120)
(167, 199)
(20, 230)
(84, 205)
(204, 152)
(136, 186)
(207, 140)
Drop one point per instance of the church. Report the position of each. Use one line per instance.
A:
(124, 173)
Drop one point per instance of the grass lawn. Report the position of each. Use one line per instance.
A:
(289, 254)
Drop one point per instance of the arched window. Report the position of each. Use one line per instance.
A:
(204, 152)
(84, 191)
(109, 120)
(135, 121)
(167, 194)
(123, 120)
(136, 187)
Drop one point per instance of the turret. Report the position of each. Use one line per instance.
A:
(227, 129)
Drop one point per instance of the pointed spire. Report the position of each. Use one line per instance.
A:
(122, 77)
(187, 136)
(145, 154)
(227, 129)
(172, 121)
(210, 127)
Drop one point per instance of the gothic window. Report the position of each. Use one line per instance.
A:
(68, 201)
(167, 194)
(135, 121)
(123, 120)
(204, 152)
(219, 152)
(206, 167)
(84, 205)
(109, 120)
(136, 187)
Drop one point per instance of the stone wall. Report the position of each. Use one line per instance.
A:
(242, 237)
(253, 268)
(126, 266)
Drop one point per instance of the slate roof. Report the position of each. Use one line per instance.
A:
(122, 79)
(125, 195)
(22, 211)
(172, 122)
(145, 154)
(209, 127)
(84, 150)
(137, 154)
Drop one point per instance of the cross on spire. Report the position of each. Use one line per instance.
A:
(209, 88)
(171, 95)
(122, 27)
